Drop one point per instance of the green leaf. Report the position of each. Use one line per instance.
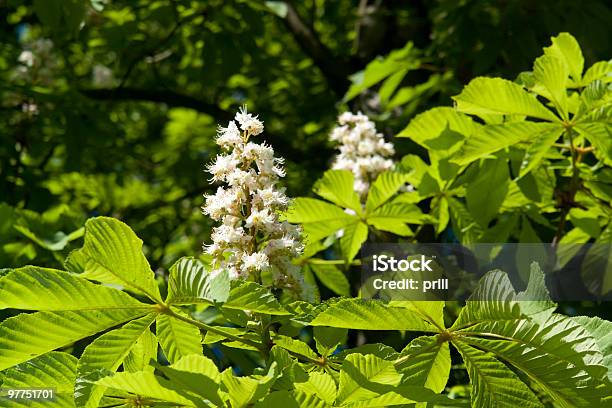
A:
(492, 300)
(190, 282)
(337, 187)
(318, 218)
(53, 370)
(246, 390)
(601, 331)
(359, 314)
(486, 193)
(538, 149)
(381, 68)
(21, 340)
(328, 339)
(107, 352)
(320, 384)
(295, 346)
(565, 47)
(431, 311)
(551, 73)
(493, 384)
(394, 216)
(145, 384)
(464, 226)
(600, 136)
(34, 288)
(141, 353)
(557, 354)
(439, 130)
(491, 138)
(361, 378)
(599, 70)
(596, 268)
(178, 338)
(253, 297)
(350, 243)
(332, 277)
(383, 188)
(195, 376)
(112, 254)
(499, 96)
(425, 361)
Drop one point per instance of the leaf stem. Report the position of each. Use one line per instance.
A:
(214, 329)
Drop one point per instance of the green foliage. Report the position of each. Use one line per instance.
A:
(538, 146)
(515, 351)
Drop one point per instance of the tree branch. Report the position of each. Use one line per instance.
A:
(280, 143)
(336, 70)
(168, 97)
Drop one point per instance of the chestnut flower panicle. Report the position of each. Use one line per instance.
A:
(363, 151)
(251, 240)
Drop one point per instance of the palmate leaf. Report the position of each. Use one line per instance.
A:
(558, 355)
(491, 138)
(53, 370)
(486, 96)
(337, 187)
(426, 362)
(70, 308)
(369, 381)
(21, 340)
(112, 254)
(190, 282)
(177, 338)
(319, 219)
(494, 384)
(383, 188)
(107, 352)
(370, 315)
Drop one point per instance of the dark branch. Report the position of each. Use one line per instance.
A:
(168, 97)
(336, 70)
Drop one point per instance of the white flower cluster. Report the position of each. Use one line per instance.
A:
(37, 65)
(363, 151)
(251, 241)
(37, 62)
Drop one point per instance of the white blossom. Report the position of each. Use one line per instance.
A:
(251, 242)
(249, 123)
(102, 76)
(363, 151)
